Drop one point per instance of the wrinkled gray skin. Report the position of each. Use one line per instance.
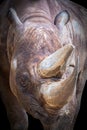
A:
(18, 56)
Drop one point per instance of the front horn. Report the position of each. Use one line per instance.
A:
(55, 64)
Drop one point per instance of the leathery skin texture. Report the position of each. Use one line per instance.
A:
(44, 57)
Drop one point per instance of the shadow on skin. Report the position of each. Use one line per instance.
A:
(4, 123)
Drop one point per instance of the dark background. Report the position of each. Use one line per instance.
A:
(81, 122)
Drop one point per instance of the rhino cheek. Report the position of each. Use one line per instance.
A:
(12, 84)
(12, 76)
(14, 64)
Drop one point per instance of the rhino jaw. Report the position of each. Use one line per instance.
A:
(58, 93)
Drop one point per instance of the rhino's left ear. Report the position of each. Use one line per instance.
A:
(13, 18)
(62, 19)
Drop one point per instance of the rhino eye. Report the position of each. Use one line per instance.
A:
(22, 79)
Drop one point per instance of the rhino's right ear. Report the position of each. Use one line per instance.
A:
(62, 19)
(13, 18)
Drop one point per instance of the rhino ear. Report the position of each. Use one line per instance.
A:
(13, 17)
(62, 19)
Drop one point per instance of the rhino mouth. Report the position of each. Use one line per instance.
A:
(57, 93)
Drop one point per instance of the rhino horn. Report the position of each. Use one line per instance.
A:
(58, 93)
(13, 17)
(55, 64)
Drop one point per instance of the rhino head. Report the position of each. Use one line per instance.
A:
(43, 71)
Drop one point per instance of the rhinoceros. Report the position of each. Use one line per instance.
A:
(43, 61)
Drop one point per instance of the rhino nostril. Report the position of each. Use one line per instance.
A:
(71, 65)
